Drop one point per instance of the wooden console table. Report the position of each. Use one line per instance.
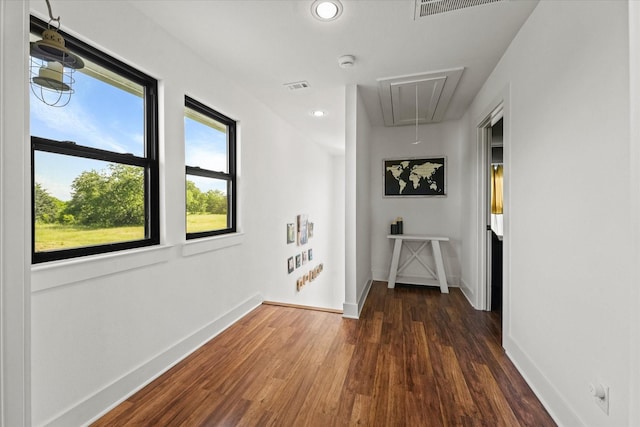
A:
(439, 274)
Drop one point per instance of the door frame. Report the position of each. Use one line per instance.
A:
(484, 206)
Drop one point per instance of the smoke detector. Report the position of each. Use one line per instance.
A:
(346, 61)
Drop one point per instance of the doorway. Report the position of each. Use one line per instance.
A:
(496, 226)
(491, 210)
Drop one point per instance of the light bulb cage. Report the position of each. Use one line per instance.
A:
(50, 85)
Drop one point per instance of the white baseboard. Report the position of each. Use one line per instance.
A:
(98, 404)
(468, 293)
(553, 402)
(352, 311)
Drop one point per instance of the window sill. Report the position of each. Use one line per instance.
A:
(210, 244)
(60, 273)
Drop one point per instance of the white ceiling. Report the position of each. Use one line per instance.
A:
(263, 44)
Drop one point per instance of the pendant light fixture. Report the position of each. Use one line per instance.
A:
(52, 66)
(417, 141)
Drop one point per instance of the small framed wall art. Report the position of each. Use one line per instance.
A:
(303, 235)
(291, 233)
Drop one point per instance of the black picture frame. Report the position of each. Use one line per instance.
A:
(415, 177)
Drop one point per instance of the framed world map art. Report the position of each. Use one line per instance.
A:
(415, 177)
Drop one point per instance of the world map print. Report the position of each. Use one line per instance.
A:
(415, 177)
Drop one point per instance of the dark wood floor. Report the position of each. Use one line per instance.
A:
(415, 358)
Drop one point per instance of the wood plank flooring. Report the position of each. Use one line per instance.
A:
(416, 357)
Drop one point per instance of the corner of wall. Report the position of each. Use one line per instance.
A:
(93, 407)
(551, 399)
(634, 61)
(15, 230)
(352, 311)
(469, 294)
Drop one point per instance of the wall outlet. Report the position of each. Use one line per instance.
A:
(600, 395)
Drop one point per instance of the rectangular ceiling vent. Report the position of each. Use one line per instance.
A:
(297, 85)
(433, 7)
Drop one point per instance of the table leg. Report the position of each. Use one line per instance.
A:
(442, 277)
(393, 272)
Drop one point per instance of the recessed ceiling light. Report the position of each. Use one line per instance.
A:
(326, 10)
(318, 113)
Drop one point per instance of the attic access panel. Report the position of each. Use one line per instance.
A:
(398, 96)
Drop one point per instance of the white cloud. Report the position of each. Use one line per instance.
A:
(75, 123)
(200, 155)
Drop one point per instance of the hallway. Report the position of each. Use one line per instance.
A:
(415, 357)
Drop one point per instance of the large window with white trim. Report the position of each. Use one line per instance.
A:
(95, 160)
(210, 158)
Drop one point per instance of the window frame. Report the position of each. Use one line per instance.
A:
(149, 162)
(229, 176)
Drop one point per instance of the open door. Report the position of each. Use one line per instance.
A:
(492, 178)
(495, 203)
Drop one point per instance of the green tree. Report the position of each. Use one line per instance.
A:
(216, 202)
(196, 200)
(46, 206)
(112, 197)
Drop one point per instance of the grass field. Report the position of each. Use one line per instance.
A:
(57, 236)
(197, 223)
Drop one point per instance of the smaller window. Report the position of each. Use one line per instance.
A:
(210, 146)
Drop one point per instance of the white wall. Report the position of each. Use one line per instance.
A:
(435, 216)
(470, 225)
(634, 320)
(101, 328)
(357, 205)
(568, 242)
(14, 213)
(338, 273)
(310, 185)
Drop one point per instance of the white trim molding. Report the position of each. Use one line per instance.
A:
(101, 402)
(634, 148)
(352, 311)
(551, 399)
(15, 229)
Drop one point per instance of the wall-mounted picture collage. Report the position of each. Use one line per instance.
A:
(300, 232)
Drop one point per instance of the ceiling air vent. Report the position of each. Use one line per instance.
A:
(433, 7)
(297, 85)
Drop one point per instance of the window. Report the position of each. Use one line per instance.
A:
(94, 161)
(210, 151)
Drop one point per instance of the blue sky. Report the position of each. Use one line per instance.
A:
(206, 148)
(103, 116)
